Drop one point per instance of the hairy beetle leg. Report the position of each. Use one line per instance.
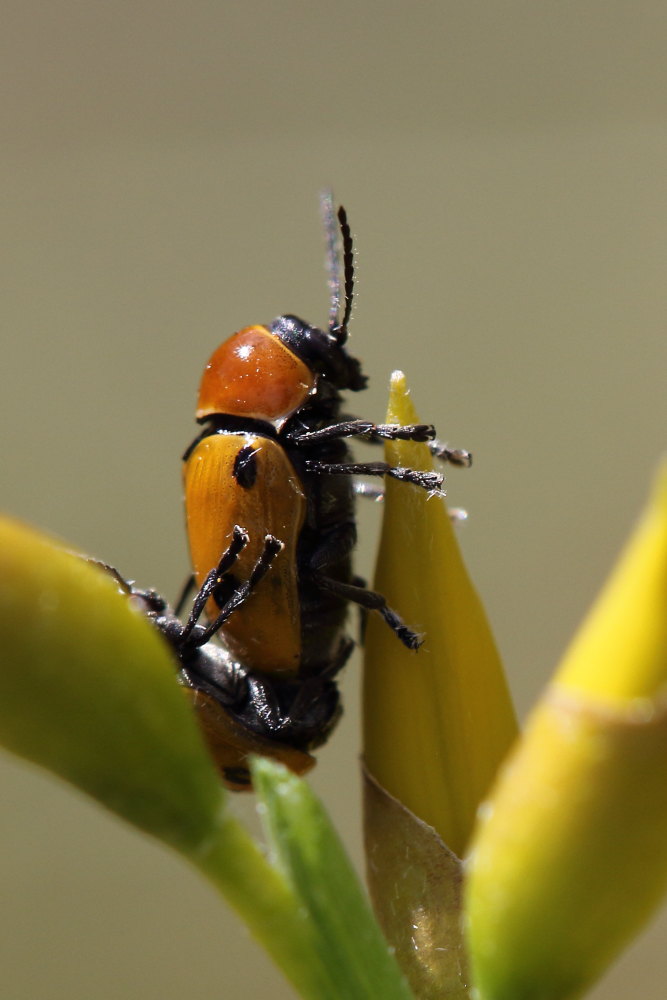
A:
(372, 601)
(240, 539)
(377, 433)
(272, 546)
(374, 433)
(431, 481)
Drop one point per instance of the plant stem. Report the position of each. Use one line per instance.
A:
(259, 893)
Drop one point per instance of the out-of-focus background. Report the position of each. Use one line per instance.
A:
(505, 170)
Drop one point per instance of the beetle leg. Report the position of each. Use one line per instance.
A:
(431, 481)
(239, 541)
(150, 602)
(377, 433)
(373, 601)
(374, 433)
(439, 449)
(123, 584)
(272, 546)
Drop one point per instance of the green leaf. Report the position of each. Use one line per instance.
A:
(357, 960)
(88, 690)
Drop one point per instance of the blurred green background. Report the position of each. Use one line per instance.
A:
(504, 167)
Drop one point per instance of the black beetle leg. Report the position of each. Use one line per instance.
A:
(373, 433)
(359, 581)
(123, 584)
(378, 433)
(373, 601)
(431, 481)
(239, 541)
(272, 546)
(153, 603)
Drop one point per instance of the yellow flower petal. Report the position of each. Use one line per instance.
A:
(621, 652)
(437, 722)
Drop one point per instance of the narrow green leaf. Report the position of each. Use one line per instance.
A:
(357, 960)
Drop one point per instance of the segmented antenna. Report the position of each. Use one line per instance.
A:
(348, 273)
(337, 230)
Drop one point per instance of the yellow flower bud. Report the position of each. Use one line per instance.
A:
(437, 722)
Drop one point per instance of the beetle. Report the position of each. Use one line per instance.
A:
(239, 712)
(273, 457)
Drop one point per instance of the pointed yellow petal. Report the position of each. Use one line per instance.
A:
(621, 652)
(436, 722)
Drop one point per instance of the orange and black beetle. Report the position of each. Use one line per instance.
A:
(272, 457)
(242, 712)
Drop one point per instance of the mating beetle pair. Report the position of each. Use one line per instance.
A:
(269, 496)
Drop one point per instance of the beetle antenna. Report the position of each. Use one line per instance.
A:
(348, 273)
(332, 258)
